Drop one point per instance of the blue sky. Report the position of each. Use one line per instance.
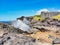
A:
(11, 9)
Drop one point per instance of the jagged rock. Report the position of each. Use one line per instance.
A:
(10, 28)
(56, 41)
(13, 39)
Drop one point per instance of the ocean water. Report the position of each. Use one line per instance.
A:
(5, 22)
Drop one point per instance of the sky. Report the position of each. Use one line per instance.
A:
(12, 9)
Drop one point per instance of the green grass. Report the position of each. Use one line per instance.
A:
(38, 17)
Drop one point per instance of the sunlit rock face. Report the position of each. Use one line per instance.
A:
(21, 25)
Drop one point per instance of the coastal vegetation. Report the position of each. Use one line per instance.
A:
(38, 17)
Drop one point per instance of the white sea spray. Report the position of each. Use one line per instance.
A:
(21, 25)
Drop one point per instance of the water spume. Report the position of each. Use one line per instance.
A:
(21, 25)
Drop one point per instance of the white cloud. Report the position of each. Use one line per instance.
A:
(54, 10)
(42, 10)
(58, 10)
(47, 10)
